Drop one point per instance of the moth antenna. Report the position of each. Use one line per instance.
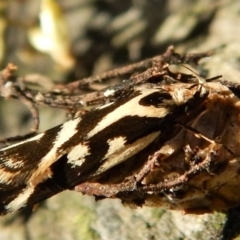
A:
(201, 80)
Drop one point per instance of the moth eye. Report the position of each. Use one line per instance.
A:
(155, 99)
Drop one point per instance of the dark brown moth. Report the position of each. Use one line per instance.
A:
(158, 139)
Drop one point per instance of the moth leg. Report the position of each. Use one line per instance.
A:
(106, 190)
(151, 164)
(130, 185)
(199, 135)
(111, 190)
(203, 165)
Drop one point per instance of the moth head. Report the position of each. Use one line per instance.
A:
(183, 93)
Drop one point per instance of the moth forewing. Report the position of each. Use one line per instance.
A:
(119, 130)
(119, 153)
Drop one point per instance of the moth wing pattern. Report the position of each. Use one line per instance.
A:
(90, 145)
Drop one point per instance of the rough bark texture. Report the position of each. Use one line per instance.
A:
(102, 35)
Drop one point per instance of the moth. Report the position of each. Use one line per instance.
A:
(169, 140)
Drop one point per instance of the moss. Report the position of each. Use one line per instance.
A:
(157, 213)
(212, 226)
(218, 221)
(83, 223)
